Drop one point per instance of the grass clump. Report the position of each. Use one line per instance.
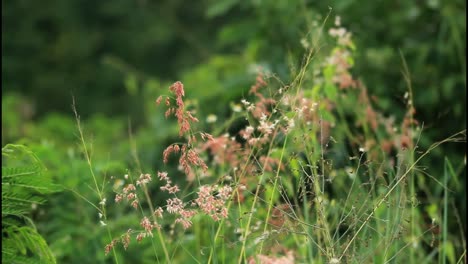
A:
(305, 171)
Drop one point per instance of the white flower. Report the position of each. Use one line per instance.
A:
(228, 177)
(337, 21)
(236, 108)
(211, 118)
(305, 43)
(291, 124)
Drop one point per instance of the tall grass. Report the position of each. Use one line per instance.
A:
(315, 174)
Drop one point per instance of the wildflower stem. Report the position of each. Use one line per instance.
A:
(85, 150)
(90, 166)
(270, 203)
(452, 138)
(160, 235)
(145, 190)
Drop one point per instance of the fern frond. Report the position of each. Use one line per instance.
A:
(24, 182)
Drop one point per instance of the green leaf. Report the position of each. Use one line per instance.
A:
(220, 8)
(131, 83)
(328, 73)
(330, 91)
(449, 251)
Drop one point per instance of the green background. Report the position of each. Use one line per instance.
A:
(115, 57)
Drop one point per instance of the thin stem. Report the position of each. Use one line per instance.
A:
(90, 166)
(453, 138)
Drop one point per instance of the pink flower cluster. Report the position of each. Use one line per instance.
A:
(124, 239)
(264, 104)
(213, 205)
(188, 154)
(168, 187)
(207, 201)
(183, 117)
(264, 259)
(177, 206)
(128, 192)
(341, 56)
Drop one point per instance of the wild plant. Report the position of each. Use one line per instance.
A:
(313, 172)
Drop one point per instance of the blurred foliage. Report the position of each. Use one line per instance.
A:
(25, 183)
(108, 55)
(430, 35)
(115, 58)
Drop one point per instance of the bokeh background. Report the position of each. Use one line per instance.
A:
(115, 57)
